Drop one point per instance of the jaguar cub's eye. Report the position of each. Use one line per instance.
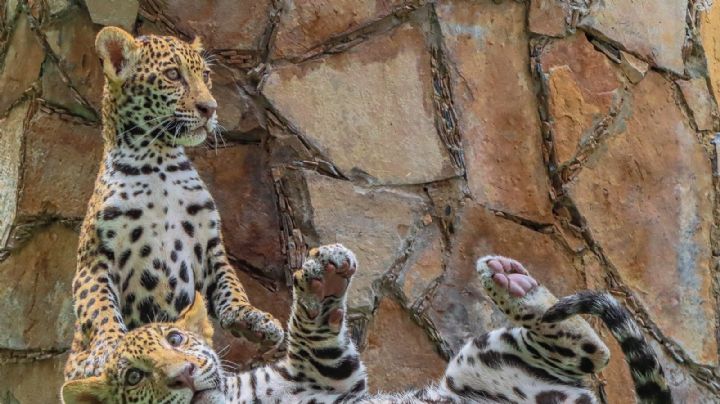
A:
(206, 76)
(175, 338)
(134, 376)
(172, 74)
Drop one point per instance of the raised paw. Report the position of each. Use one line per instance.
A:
(325, 274)
(508, 274)
(255, 326)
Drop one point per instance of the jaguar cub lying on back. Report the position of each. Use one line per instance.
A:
(151, 236)
(545, 359)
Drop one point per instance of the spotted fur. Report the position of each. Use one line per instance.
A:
(542, 360)
(650, 384)
(151, 236)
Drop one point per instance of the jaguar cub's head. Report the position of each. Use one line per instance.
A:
(157, 89)
(157, 363)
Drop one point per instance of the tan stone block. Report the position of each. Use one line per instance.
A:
(60, 166)
(238, 177)
(11, 141)
(35, 294)
(21, 66)
(460, 308)
(698, 98)
(498, 112)
(120, 13)
(647, 198)
(72, 39)
(32, 382)
(654, 30)
(374, 223)
(710, 35)
(399, 356)
(423, 266)
(369, 109)
(583, 88)
(634, 68)
(305, 24)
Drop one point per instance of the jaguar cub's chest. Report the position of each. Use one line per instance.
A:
(156, 228)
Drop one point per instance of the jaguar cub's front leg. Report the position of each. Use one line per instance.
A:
(318, 343)
(228, 299)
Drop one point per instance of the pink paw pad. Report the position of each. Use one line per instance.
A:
(511, 275)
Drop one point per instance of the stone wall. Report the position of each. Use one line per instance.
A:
(575, 135)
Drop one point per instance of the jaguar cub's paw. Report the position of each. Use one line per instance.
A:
(256, 326)
(507, 274)
(325, 274)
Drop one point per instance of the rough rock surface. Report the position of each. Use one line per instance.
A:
(399, 356)
(656, 36)
(60, 165)
(384, 91)
(374, 224)
(648, 202)
(493, 89)
(305, 24)
(11, 128)
(37, 308)
(583, 88)
(21, 63)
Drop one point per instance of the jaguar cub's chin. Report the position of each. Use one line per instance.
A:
(208, 397)
(192, 137)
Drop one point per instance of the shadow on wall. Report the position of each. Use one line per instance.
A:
(420, 134)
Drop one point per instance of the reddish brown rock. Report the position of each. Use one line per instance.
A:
(460, 309)
(423, 266)
(60, 165)
(698, 98)
(72, 39)
(21, 65)
(648, 203)
(11, 142)
(583, 88)
(399, 356)
(239, 180)
(223, 24)
(305, 24)
(374, 223)
(369, 109)
(495, 94)
(36, 292)
(653, 30)
(548, 17)
(33, 381)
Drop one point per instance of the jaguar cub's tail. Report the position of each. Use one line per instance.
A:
(650, 385)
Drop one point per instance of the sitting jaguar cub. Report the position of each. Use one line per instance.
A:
(151, 236)
(545, 359)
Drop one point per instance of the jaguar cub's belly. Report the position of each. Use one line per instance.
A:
(159, 247)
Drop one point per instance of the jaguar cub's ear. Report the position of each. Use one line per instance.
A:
(197, 44)
(195, 319)
(91, 390)
(118, 51)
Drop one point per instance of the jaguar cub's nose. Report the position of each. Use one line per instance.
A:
(206, 109)
(183, 379)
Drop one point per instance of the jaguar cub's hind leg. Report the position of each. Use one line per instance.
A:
(570, 346)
